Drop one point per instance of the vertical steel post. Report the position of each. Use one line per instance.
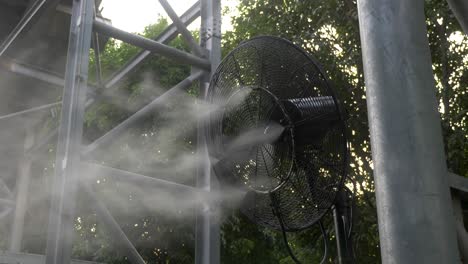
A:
(207, 247)
(462, 235)
(341, 223)
(61, 215)
(22, 190)
(416, 223)
(340, 247)
(460, 10)
(97, 50)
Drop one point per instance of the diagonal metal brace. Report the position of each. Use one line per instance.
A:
(155, 104)
(151, 45)
(183, 29)
(165, 37)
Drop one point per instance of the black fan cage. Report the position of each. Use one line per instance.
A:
(273, 96)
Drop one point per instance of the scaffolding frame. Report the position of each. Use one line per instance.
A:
(85, 29)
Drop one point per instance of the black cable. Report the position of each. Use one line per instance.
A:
(351, 219)
(283, 230)
(348, 222)
(325, 242)
(351, 207)
(285, 237)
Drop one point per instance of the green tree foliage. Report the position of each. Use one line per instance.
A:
(449, 47)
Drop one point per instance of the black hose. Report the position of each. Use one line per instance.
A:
(274, 205)
(325, 242)
(285, 239)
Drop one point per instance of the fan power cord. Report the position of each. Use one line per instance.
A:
(325, 242)
(274, 205)
(285, 236)
(291, 254)
(285, 239)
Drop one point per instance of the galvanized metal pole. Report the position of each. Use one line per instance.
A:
(97, 50)
(67, 162)
(462, 235)
(416, 223)
(22, 191)
(341, 222)
(29, 71)
(35, 72)
(25, 20)
(207, 247)
(140, 180)
(165, 37)
(155, 105)
(151, 45)
(460, 10)
(186, 34)
(31, 110)
(120, 239)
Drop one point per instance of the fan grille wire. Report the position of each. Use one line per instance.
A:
(305, 173)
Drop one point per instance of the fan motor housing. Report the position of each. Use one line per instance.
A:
(311, 117)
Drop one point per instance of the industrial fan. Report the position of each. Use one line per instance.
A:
(278, 133)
